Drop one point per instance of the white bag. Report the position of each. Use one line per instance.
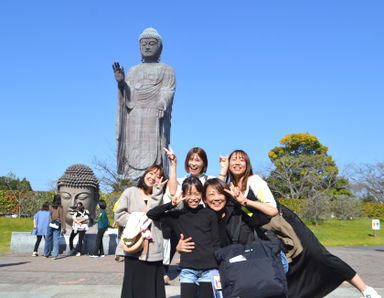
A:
(54, 225)
(131, 240)
(132, 228)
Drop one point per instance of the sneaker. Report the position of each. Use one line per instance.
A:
(34, 254)
(370, 293)
(102, 256)
(78, 254)
(93, 256)
(54, 258)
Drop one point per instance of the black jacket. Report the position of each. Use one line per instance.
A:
(229, 224)
(200, 224)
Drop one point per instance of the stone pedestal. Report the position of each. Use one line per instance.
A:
(24, 242)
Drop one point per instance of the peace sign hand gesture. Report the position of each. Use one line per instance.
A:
(160, 182)
(236, 194)
(224, 164)
(171, 156)
(177, 200)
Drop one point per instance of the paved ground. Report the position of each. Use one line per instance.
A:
(25, 276)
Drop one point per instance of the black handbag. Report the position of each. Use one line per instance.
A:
(252, 270)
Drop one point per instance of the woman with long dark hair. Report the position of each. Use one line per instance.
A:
(55, 228)
(313, 270)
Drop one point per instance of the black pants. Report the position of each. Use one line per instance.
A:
(188, 290)
(143, 279)
(80, 242)
(99, 242)
(37, 243)
(174, 241)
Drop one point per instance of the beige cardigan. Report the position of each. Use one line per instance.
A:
(132, 201)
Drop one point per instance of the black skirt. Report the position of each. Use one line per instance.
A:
(315, 272)
(143, 279)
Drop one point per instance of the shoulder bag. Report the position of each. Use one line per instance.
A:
(251, 270)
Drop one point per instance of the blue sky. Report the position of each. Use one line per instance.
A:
(248, 73)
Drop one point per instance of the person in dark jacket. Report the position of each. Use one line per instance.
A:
(193, 220)
(102, 226)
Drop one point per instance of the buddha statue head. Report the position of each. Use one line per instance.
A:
(150, 45)
(78, 184)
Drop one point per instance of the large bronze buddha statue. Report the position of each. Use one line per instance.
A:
(145, 97)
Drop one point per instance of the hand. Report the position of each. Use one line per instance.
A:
(171, 156)
(185, 245)
(160, 182)
(224, 164)
(119, 72)
(236, 194)
(176, 200)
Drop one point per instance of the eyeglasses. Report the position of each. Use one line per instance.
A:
(193, 194)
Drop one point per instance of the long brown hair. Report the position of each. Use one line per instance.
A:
(248, 169)
(141, 184)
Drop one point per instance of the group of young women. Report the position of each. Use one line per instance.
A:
(313, 271)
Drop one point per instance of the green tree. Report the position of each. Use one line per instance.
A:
(17, 187)
(11, 182)
(304, 170)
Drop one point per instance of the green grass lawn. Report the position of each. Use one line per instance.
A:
(356, 232)
(330, 233)
(9, 225)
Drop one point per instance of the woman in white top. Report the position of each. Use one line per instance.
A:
(196, 164)
(314, 272)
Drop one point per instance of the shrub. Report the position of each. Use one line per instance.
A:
(296, 205)
(345, 207)
(373, 210)
(8, 202)
(110, 199)
(32, 201)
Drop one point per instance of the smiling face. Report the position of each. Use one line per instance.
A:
(193, 197)
(152, 177)
(70, 196)
(237, 164)
(214, 199)
(195, 165)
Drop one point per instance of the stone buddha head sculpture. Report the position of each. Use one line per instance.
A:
(78, 184)
(150, 45)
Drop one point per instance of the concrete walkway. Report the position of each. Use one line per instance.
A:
(26, 276)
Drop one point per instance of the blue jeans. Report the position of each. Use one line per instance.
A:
(284, 261)
(53, 235)
(195, 276)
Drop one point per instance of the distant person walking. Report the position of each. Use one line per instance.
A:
(40, 226)
(102, 226)
(55, 227)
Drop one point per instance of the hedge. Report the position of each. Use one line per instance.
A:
(28, 203)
